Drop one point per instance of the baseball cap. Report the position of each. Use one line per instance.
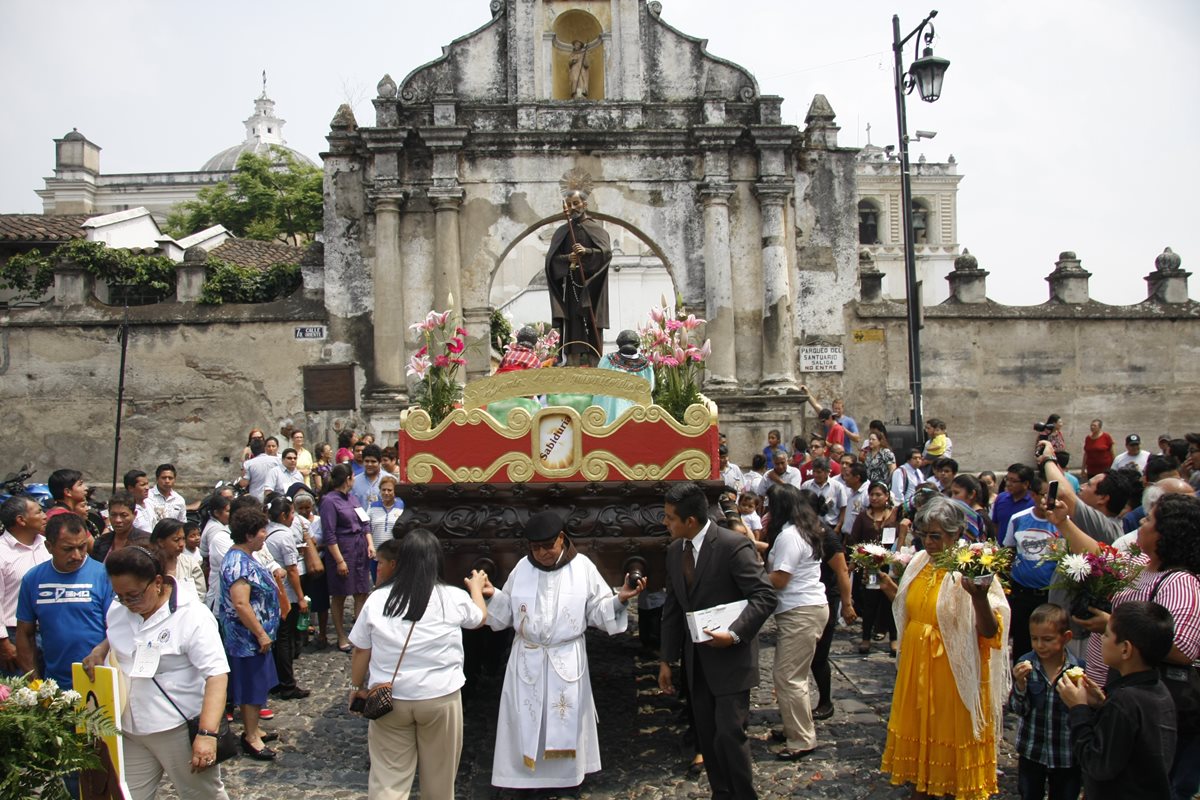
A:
(1133, 438)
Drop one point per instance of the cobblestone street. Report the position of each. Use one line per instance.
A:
(322, 748)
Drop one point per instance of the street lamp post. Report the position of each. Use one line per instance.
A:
(926, 76)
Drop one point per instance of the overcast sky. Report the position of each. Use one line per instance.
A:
(1069, 120)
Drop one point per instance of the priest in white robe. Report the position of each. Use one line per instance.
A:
(546, 734)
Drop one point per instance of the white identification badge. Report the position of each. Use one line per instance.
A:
(362, 514)
(145, 661)
(889, 536)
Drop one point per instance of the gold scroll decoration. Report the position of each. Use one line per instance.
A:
(556, 380)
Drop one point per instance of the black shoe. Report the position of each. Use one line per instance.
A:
(788, 754)
(294, 693)
(264, 753)
(268, 737)
(823, 711)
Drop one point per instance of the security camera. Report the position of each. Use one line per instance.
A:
(925, 135)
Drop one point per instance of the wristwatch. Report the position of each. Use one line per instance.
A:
(736, 639)
(206, 732)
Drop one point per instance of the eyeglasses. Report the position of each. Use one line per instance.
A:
(925, 535)
(133, 599)
(543, 546)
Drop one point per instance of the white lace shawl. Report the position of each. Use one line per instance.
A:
(956, 620)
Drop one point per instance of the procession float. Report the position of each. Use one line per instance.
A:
(599, 445)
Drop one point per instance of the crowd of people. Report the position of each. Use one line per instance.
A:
(210, 615)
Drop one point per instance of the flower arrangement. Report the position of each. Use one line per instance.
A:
(979, 561)
(436, 364)
(47, 733)
(900, 560)
(1091, 579)
(678, 361)
(870, 557)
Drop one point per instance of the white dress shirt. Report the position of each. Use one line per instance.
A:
(170, 506)
(15, 560)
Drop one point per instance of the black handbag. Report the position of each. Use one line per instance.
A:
(379, 698)
(227, 740)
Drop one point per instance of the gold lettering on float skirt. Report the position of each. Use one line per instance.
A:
(554, 437)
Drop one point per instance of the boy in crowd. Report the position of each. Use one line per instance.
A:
(1043, 740)
(1124, 743)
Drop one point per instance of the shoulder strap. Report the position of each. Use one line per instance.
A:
(403, 650)
(1158, 583)
(169, 700)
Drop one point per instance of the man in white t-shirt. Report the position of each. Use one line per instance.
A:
(782, 472)
(1134, 455)
(854, 478)
(834, 493)
(731, 473)
(286, 474)
(163, 500)
(258, 470)
(138, 485)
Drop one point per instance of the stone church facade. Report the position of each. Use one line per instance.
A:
(756, 222)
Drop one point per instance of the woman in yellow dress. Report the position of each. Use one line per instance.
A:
(953, 671)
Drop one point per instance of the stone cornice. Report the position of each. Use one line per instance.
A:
(1092, 310)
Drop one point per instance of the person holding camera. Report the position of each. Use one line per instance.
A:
(1050, 431)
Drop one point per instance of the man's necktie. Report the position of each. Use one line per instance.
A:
(689, 564)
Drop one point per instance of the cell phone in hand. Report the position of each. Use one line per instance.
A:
(1052, 495)
(358, 704)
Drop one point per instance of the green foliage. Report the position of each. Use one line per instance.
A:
(502, 331)
(230, 283)
(38, 739)
(271, 197)
(30, 275)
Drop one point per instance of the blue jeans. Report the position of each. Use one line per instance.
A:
(1032, 777)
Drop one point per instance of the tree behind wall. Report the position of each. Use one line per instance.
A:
(271, 197)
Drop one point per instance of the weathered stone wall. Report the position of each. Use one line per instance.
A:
(197, 379)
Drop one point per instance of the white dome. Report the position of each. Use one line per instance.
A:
(226, 160)
(264, 130)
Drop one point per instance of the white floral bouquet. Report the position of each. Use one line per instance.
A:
(870, 557)
(46, 733)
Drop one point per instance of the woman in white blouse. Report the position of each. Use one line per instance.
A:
(415, 621)
(794, 533)
(167, 646)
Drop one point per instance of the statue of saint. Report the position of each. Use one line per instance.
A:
(577, 276)
(578, 65)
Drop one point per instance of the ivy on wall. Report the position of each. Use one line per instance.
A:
(30, 275)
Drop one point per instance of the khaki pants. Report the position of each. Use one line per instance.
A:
(427, 733)
(148, 757)
(799, 631)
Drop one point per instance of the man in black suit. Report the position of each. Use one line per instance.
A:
(707, 566)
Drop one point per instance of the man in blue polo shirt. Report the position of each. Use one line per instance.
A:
(65, 599)
(1015, 498)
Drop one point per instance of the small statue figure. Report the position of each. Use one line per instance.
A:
(628, 358)
(579, 65)
(521, 355)
(577, 275)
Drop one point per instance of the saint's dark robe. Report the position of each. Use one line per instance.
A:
(579, 297)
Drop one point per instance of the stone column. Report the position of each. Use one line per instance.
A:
(870, 279)
(1169, 281)
(72, 285)
(388, 322)
(718, 287)
(778, 351)
(1069, 281)
(190, 274)
(968, 283)
(447, 271)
